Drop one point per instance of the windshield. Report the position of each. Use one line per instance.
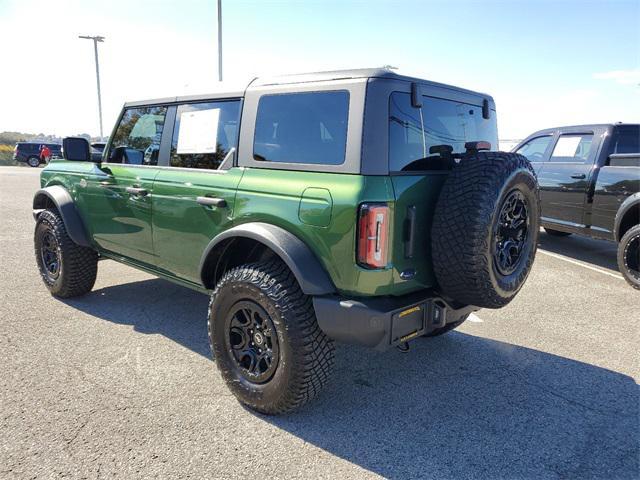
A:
(412, 131)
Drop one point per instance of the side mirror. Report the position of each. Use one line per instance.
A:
(76, 149)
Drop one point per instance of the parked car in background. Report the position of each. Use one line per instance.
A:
(29, 152)
(589, 178)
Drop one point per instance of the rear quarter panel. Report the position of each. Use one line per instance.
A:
(274, 196)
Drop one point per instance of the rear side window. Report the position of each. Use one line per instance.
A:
(626, 139)
(137, 138)
(204, 134)
(534, 149)
(572, 148)
(413, 131)
(308, 128)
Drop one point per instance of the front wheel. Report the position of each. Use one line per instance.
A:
(266, 340)
(67, 269)
(629, 256)
(33, 162)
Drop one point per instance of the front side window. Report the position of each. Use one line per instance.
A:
(204, 134)
(308, 128)
(534, 149)
(572, 148)
(137, 138)
(413, 131)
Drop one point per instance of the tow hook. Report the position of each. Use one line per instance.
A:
(404, 347)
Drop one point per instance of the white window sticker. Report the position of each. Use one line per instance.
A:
(198, 131)
(567, 146)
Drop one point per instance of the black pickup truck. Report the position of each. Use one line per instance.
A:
(589, 178)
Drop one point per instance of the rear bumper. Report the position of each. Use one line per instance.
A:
(383, 322)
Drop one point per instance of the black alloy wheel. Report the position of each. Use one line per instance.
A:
(629, 256)
(265, 338)
(632, 256)
(252, 341)
(67, 269)
(511, 232)
(50, 255)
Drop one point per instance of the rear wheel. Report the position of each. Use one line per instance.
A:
(67, 269)
(629, 256)
(485, 229)
(33, 162)
(266, 340)
(556, 233)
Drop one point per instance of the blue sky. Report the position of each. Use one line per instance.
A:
(545, 62)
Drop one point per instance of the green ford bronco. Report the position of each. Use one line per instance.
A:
(356, 206)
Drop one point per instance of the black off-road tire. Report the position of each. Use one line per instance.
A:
(447, 328)
(78, 266)
(556, 233)
(465, 228)
(629, 256)
(306, 355)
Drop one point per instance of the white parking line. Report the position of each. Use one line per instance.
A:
(575, 262)
(475, 319)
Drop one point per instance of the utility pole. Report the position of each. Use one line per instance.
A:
(97, 39)
(219, 40)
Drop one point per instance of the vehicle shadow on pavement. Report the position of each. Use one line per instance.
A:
(596, 252)
(462, 406)
(457, 406)
(153, 306)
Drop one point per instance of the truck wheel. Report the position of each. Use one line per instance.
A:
(485, 229)
(266, 340)
(447, 328)
(67, 269)
(629, 256)
(556, 233)
(33, 162)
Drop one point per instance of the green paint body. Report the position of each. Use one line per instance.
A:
(167, 231)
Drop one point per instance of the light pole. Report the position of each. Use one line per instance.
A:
(96, 39)
(219, 40)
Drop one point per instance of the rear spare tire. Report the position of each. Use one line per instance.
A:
(485, 228)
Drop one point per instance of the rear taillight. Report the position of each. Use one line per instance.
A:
(373, 235)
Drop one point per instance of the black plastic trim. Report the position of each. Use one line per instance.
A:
(70, 216)
(311, 275)
(383, 322)
(630, 202)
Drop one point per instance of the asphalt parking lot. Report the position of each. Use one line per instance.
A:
(120, 383)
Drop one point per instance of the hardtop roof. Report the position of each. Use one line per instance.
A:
(239, 89)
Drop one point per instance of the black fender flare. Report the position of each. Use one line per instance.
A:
(630, 202)
(305, 266)
(63, 201)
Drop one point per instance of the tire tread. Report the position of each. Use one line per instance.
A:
(313, 351)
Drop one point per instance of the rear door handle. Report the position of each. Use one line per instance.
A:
(579, 176)
(140, 192)
(212, 202)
